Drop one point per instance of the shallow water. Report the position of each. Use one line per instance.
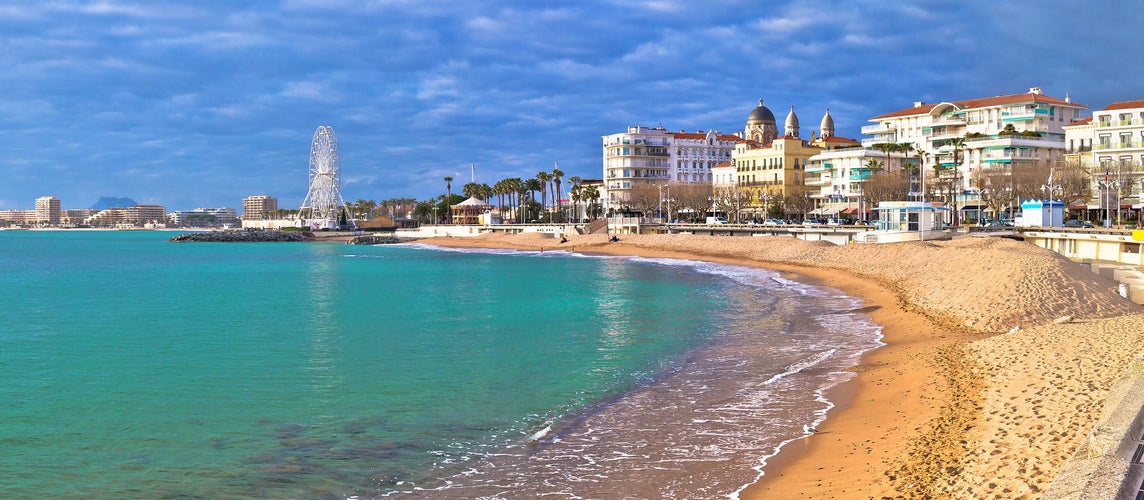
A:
(137, 367)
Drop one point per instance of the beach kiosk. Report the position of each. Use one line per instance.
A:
(1041, 213)
(469, 212)
(905, 221)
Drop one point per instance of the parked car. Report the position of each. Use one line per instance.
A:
(774, 222)
(716, 220)
(1076, 223)
(834, 222)
(813, 222)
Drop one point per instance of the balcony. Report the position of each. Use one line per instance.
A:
(1119, 145)
(949, 121)
(816, 168)
(867, 143)
(817, 182)
(880, 128)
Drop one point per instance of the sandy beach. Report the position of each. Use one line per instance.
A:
(1000, 359)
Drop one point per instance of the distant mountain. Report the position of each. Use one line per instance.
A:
(107, 202)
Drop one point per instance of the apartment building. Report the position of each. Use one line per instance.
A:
(1110, 146)
(129, 217)
(259, 207)
(48, 211)
(644, 157)
(980, 138)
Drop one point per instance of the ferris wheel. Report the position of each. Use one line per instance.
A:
(323, 202)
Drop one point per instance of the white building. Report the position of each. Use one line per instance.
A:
(1000, 134)
(645, 156)
(1111, 146)
(205, 217)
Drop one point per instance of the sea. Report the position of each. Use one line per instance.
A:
(135, 367)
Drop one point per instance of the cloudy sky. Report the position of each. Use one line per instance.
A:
(201, 103)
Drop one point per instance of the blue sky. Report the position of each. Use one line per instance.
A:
(201, 103)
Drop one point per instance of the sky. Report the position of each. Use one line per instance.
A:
(190, 104)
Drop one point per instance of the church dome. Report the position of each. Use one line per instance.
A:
(792, 122)
(760, 115)
(827, 125)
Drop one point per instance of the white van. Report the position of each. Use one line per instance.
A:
(716, 220)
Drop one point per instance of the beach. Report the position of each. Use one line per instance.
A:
(1000, 360)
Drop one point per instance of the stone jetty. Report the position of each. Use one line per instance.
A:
(246, 236)
(373, 239)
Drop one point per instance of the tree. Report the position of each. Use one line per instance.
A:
(544, 178)
(644, 198)
(449, 196)
(592, 193)
(575, 181)
(906, 148)
(883, 185)
(958, 143)
(726, 199)
(695, 197)
(557, 174)
(797, 200)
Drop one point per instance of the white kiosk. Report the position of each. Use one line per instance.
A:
(905, 221)
(1041, 213)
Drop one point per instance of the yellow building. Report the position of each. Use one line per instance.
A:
(770, 169)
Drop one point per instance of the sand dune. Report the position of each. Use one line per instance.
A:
(1000, 360)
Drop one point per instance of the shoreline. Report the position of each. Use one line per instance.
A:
(914, 420)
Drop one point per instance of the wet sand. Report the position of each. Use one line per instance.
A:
(998, 364)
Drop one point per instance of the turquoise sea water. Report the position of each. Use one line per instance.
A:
(131, 366)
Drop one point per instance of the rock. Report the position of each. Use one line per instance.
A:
(1063, 320)
(374, 240)
(245, 236)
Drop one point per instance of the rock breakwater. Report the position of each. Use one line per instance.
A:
(245, 236)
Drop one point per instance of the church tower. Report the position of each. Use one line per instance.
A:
(761, 126)
(827, 125)
(791, 124)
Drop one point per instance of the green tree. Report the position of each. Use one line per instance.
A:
(448, 196)
(544, 178)
(557, 174)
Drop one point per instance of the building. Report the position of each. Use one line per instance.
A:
(13, 218)
(204, 217)
(73, 217)
(1118, 158)
(48, 211)
(259, 207)
(145, 216)
(974, 140)
(644, 159)
(774, 176)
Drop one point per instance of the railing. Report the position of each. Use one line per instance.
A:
(877, 129)
(1119, 145)
(1017, 136)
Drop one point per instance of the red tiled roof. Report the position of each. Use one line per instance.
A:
(982, 102)
(839, 139)
(1082, 121)
(703, 135)
(1124, 105)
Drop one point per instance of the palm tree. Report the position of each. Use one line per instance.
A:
(593, 195)
(531, 186)
(577, 195)
(906, 148)
(922, 157)
(575, 182)
(886, 147)
(557, 174)
(449, 198)
(544, 177)
(958, 144)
